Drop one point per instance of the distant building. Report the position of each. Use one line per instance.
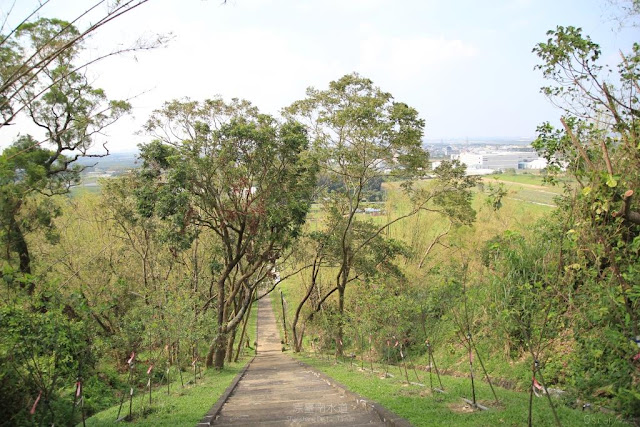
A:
(472, 160)
(537, 164)
(373, 211)
(499, 160)
(480, 171)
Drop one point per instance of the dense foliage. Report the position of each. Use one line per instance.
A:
(379, 256)
(599, 145)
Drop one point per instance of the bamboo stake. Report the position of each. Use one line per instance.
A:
(485, 371)
(533, 378)
(130, 378)
(473, 387)
(430, 366)
(406, 375)
(370, 355)
(433, 360)
(544, 387)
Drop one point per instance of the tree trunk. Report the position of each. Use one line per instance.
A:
(297, 342)
(209, 360)
(230, 340)
(217, 352)
(284, 319)
(220, 353)
(19, 245)
(244, 328)
(339, 349)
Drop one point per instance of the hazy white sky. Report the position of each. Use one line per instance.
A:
(466, 65)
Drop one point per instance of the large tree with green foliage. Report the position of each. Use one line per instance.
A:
(241, 174)
(361, 134)
(71, 113)
(33, 49)
(48, 333)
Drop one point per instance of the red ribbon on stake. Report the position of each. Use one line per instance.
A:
(536, 384)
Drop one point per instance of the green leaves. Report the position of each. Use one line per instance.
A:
(228, 168)
(495, 196)
(42, 349)
(359, 131)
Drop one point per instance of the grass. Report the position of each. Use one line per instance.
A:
(521, 178)
(529, 189)
(276, 305)
(527, 202)
(421, 407)
(252, 326)
(182, 406)
(81, 190)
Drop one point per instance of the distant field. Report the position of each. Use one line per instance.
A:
(529, 189)
(529, 178)
(84, 189)
(521, 178)
(526, 188)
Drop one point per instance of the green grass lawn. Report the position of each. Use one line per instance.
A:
(422, 408)
(526, 189)
(182, 406)
(521, 178)
(81, 190)
(276, 305)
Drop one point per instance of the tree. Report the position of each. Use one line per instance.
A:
(26, 66)
(625, 11)
(42, 352)
(361, 134)
(71, 112)
(25, 170)
(239, 173)
(598, 145)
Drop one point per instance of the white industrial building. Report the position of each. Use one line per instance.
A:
(537, 164)
(501, 160)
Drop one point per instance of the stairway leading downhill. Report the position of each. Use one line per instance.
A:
(277, 390)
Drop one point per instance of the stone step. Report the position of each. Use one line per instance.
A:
(277, 391)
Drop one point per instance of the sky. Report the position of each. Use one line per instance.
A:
(465, 65)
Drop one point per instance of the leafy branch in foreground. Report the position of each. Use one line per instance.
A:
(598, 144)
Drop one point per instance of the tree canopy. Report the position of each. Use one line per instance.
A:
(241, 174)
